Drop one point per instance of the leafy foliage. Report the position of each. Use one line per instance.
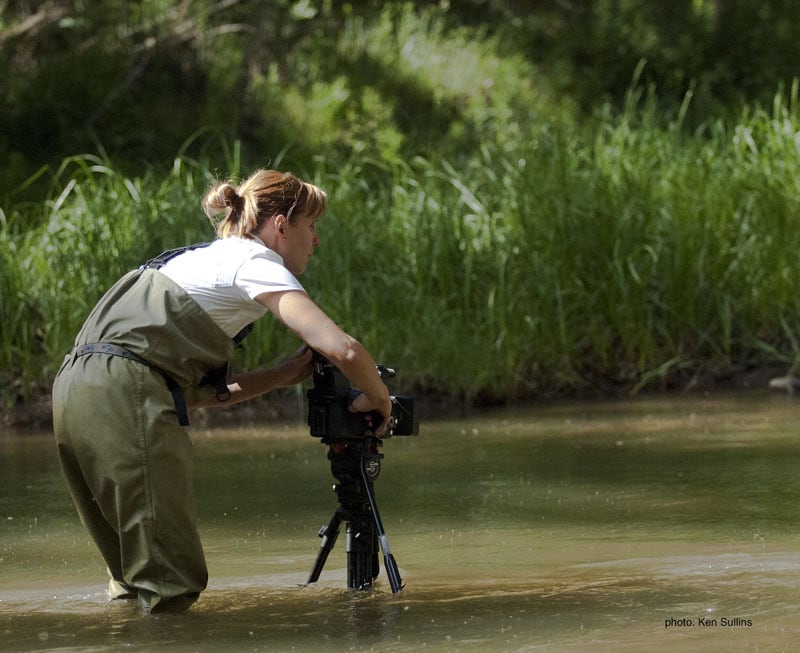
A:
(565, 196)
(140, 77)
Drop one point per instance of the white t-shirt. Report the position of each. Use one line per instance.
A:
(227, 276)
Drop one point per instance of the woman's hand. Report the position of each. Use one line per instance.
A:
(294, 369)
(363, 404)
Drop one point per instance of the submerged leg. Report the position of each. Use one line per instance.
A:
(128, 466)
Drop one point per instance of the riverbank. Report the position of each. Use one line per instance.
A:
(590, 261)
(288, 406)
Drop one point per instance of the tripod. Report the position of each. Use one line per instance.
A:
(355, 463)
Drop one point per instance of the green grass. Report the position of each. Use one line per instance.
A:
(542, 263)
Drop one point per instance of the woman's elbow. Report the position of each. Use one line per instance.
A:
(348, 351)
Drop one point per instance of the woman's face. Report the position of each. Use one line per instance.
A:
(300, 239)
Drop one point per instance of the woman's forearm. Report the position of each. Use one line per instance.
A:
(357, 364)
(247, 385)
(308, 321)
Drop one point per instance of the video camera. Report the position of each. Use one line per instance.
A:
(329, 414)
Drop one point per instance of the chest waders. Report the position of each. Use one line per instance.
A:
(119, 400)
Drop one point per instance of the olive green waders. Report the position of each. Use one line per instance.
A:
(126, 459)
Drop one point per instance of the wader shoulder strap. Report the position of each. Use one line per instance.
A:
(116, 350)
(158, 261)
(237, 339)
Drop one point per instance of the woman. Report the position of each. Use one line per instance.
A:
(160, 339)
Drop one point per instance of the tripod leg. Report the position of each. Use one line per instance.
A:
(329, 534)
(362, 553)
(392, 570)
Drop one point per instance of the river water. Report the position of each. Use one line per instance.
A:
(657, 523)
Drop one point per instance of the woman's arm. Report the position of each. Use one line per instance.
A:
(299, 312)
(247, 385)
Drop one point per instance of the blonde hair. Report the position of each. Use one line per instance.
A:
(262, 195)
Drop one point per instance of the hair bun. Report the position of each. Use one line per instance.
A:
(232, 198)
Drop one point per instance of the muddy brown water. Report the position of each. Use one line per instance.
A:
(659, 523)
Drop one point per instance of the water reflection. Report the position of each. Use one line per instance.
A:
(669, 524)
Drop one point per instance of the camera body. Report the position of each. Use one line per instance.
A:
(329, 414)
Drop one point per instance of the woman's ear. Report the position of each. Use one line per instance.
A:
(280, 222)
(272, 230)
